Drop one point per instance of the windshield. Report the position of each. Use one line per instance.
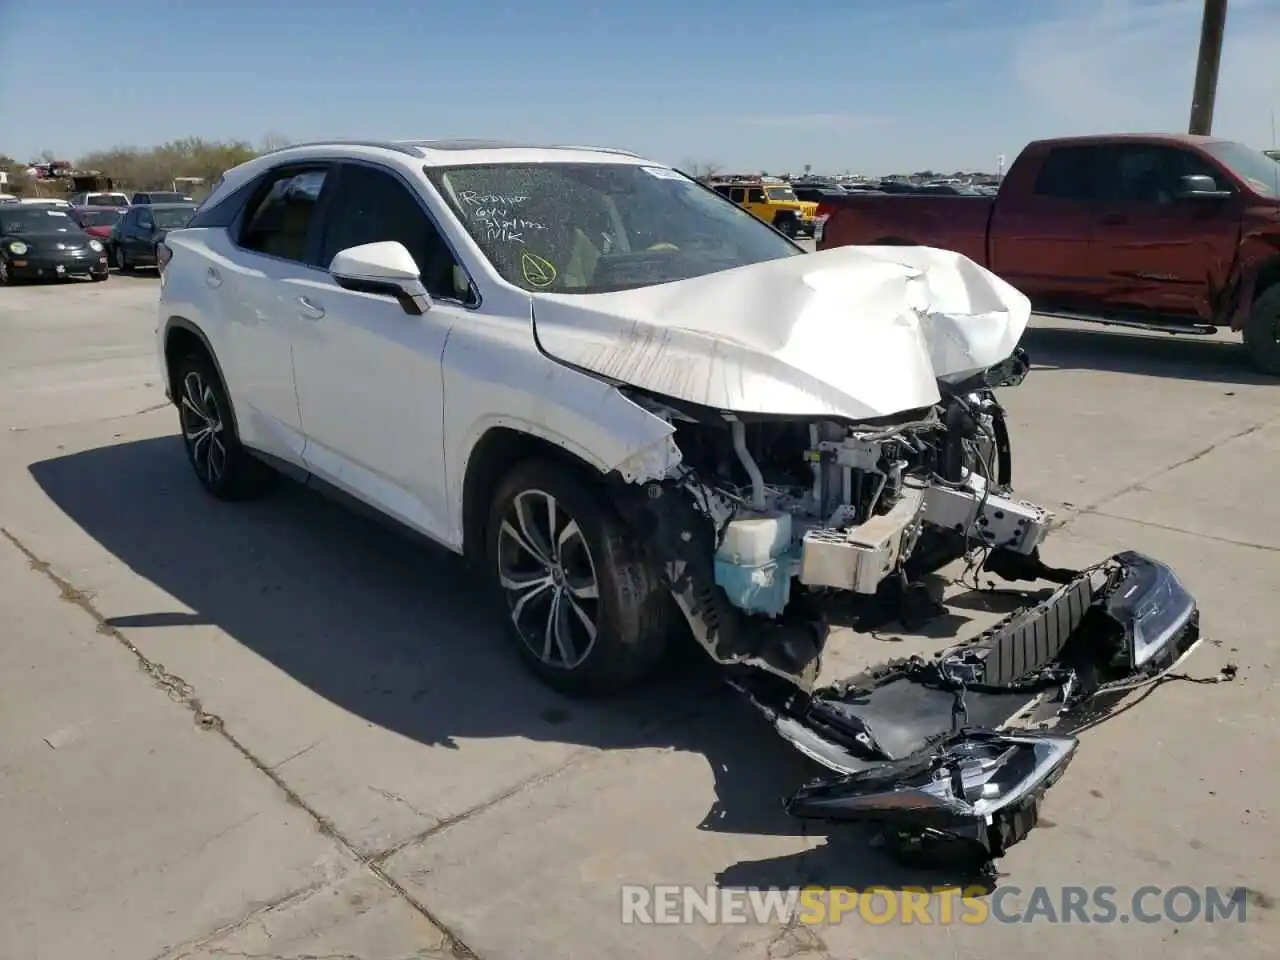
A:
(1261, 173)
(107, 200)
(173, 219)
(168, 197)
(37, 220)
(97, 218)
(780, 193)
(598, 227)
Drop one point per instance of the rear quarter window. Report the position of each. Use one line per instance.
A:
(223, 211)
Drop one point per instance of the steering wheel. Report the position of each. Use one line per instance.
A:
(663, 246)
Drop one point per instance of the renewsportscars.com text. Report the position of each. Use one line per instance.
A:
(938, 905)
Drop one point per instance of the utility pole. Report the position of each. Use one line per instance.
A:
(1212, 28)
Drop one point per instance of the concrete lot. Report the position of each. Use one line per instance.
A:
(278, 730)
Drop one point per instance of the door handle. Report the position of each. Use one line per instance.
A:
(212, 277)
(312, 311)
(1114, 219)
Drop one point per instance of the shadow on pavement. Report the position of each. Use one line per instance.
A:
(401, 634)
(1181, 357)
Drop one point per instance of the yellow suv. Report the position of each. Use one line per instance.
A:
(773, 201)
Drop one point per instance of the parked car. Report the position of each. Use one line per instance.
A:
(99, 198)
(160, 196)
(816, 192)
(627, 400)
(773, 201)
(1172, 233)
(43, 243)
(136, 236)
(97, 221)
(50, 203)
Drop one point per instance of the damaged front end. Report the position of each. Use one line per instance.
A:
(767, 524)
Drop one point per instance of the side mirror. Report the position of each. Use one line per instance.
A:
(385, 268)
(1200, 187)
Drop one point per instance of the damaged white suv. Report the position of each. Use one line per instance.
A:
(645, 413)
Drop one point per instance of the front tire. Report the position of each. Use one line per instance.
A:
(1262, 332)
(584, 607)
(224, 467)
(122, 261)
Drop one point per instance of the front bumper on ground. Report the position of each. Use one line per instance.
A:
(47, 266)
(958, 751)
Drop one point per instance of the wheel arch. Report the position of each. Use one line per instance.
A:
(181, 337)
(494, 455)
(1266, 277)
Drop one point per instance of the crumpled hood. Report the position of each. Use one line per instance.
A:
(854, 332)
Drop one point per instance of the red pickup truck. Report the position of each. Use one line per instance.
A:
(1161, 232)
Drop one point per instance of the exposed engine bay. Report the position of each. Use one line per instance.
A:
(767, 522)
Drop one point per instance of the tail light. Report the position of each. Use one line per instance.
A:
(820, 227)
(163, 256)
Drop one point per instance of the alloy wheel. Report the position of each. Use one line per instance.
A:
(202, 428)
(548, 575)
(4, 272)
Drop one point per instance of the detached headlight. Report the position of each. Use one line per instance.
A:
(18, 248)
(95, 246)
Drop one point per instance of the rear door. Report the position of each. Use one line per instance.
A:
(276, 242)
(1154, 252)
(135, 239)
(1041, 230)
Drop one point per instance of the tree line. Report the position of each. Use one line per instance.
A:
(149, 168)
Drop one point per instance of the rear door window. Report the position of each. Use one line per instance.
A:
(279, 218)
(1069, 173)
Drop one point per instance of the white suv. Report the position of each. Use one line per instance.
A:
(637, 406)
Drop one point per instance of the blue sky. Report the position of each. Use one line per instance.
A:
(846, 85)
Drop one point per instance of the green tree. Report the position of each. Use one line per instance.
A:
(155, 168)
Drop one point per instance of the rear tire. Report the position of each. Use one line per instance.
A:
(222, 464)
(1262, 332)
(584, 607)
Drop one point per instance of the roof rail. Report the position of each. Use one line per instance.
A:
(618, 151)
(377, 144)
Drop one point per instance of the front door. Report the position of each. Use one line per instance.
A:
(1157, 253)
(369, 374)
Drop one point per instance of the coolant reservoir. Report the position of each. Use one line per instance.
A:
(752, 540)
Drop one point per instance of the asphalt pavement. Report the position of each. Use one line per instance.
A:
(280, 730)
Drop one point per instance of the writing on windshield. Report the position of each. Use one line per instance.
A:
(597, 227)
